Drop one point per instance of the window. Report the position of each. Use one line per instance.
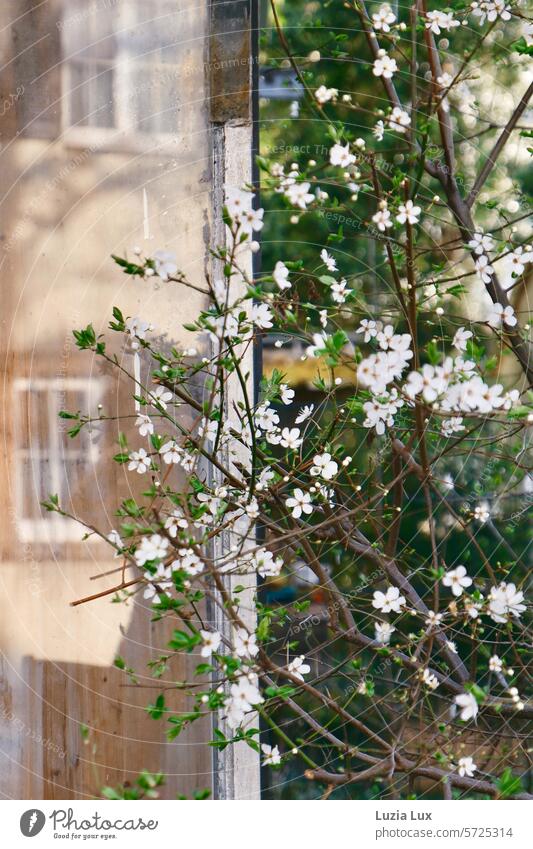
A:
(120, 68)
(47, 460)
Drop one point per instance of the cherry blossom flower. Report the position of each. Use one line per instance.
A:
(408, 212)
(145, 425)
(484, 268)
(451, 426)
(159, 397)
(299, 502)
(429, 679)
(466, 766)
(428, 382)
(298, 668)
(370, 329)
(499, 314)
(286, 394)
(272, 755)
(262, 316)
(244, 694)
(384, 66)
(341, 156)
(137, 329)
(245, 643)
(490, 10)
(519, 259)
(155, 592)
(154, 547)
(324, 466)
(304, 413)
(189, 562)
(323, 94)
(115, 539)
(437, 21)
(319, 343)
(382, 220)
(380, 412)
(339, 292)
(290, 438)
(390, 600)
(252, 220)
(328, 260)
(383, 18)
(237, 202)
(481, 243)
(384, 632)
(433, 619)
(266, 417)
(175, 522)
(210, 642)
(298, 195)
(505, 601)
(171, 452)
(399, 120)
(461, 338)
(482, 512)
(379, 131)
(469, 706)
(495, 663)
(281, 276)
(140, 462)
(457, 579)
(266, 564)
(264, 479)
(165, 264)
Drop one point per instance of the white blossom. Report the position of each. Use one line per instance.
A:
(499, 314)
(272, 755)
(323, 466)
(468, 705)
(145, 425)
(466, 766)
(298, 668)
(484, 268)
(290, 438)
(341, 156)
(154, 547)
(298, 195)
(383, 18)
(437, 21)
(245, 643)
(457, 580)
(481, 243)
(390, 600)
(262, 316)
(461, 338)
(505, 601)
(281, 276)
(323, 94)
(328, 260)
(384, 66)
(384, 632)
(304, 413)
(171, 452)
(165, 264)
(399, 120)
(299, 502)
(140, 462)
(210, 642)
(408, 212)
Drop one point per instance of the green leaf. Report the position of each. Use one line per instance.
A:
(181, 641)
(156, 711)
(508, 784)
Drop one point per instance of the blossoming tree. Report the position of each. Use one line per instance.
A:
(417, 678)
